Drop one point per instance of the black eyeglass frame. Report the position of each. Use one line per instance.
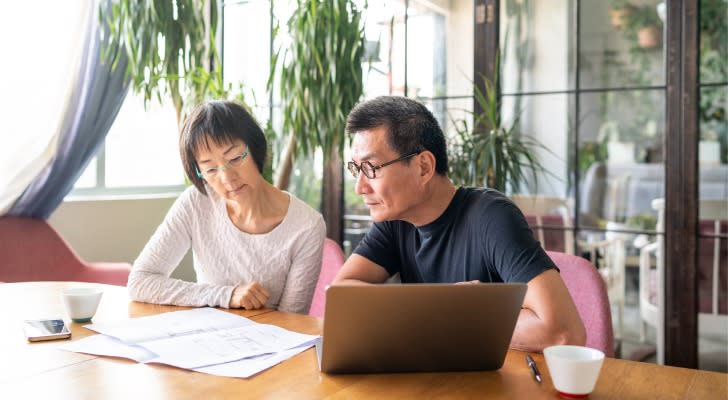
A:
(365, 166)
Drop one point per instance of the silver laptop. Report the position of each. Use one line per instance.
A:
(418, 327)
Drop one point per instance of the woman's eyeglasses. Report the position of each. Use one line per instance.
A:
(214, 172)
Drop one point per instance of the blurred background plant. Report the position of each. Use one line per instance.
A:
(485, 152)
(320, 78)
(714, 69)
(170, 48)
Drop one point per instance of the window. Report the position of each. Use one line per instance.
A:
(140, 154)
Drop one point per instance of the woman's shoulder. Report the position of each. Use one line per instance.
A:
(303, 214)
(192, 201)
(300, 206)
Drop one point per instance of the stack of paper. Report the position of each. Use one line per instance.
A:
(204, 339)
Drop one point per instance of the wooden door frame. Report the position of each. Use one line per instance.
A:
(681, 189)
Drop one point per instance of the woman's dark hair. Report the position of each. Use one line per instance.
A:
(411, 126)
(221, 122)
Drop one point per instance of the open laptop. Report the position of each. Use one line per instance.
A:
(418, 327)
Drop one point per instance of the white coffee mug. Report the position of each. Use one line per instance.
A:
(81, 303)
(574, 369)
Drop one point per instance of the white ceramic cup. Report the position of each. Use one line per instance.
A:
(574, 369)
(81, 303)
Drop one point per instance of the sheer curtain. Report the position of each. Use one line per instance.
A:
(97, 95)
(41, 55)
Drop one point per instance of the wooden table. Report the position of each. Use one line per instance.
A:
(39, 370)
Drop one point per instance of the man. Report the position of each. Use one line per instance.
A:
(428, 231)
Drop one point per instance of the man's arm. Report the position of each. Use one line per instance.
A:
(548, 316)
(359, 270)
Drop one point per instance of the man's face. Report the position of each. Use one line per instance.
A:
(393, 193)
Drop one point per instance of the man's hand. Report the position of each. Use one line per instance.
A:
(250, 297)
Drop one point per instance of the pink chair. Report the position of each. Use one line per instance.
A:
(31, 250)
(332, 261)
(587, 288)
(550, 220)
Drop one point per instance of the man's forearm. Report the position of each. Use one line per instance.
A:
(349, 282)
(534, 334)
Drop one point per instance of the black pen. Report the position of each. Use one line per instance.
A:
(534, 368)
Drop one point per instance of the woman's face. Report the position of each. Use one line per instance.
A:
(229, 169)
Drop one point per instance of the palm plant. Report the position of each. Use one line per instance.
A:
(320, 75)
(169, 46)
(489, 153)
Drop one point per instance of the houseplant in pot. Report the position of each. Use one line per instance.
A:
(489, 153)
(619, 11)
(646, 27)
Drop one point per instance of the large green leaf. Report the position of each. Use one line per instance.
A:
(168, 44)
(320, 73)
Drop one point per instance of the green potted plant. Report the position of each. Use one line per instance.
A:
(168, 46)
(646, 26)
(619, 11)
(490, 153)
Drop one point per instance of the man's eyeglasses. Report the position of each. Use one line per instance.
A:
(370, 170)
(214, 172)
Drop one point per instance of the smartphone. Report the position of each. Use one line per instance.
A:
(45, 329)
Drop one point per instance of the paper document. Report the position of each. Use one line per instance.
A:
(250, 366)
(211, 348)
(206, 340)
(103, 345)
(170, 324)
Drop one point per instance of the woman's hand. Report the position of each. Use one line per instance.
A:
(250, 297)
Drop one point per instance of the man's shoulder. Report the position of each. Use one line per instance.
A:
(481, 200)
(481, 193)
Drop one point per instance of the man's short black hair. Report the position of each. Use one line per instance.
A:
(411, 126)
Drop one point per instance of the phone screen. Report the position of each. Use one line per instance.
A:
(46, 329)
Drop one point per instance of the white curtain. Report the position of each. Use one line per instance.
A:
(40, 45)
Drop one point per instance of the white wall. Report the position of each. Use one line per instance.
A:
(460, 39)
(114, 229)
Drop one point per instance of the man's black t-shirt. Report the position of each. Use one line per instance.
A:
(481, 236)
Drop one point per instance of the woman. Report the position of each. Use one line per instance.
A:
(254, 246)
